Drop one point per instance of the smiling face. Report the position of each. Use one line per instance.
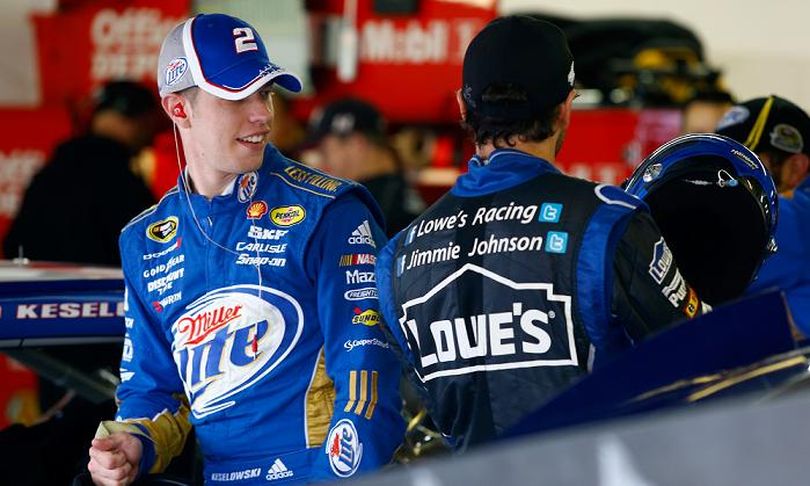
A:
(225, 138)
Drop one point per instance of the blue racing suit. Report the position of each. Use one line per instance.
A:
(789, 268)
(496, 295)
(254, 315)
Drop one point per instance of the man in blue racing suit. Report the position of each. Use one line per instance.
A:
(498, 295)
(778, 131)
(251, 306)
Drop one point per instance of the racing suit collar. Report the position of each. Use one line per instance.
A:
(503, 169)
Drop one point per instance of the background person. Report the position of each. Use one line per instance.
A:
(353, 144)
(778, 131)
(87, 192)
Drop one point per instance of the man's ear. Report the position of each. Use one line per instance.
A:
(178, 109)
(462, 107)
(795, 170)
(565, 110)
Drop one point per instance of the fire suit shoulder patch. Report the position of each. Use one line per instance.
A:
(311, 180)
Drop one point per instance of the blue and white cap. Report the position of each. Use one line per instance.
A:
(220, 54)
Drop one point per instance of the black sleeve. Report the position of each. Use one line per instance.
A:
(649, 292)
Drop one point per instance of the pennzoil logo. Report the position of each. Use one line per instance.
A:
(164, 230)
(287, 215)
(368, 317)
(256, 210)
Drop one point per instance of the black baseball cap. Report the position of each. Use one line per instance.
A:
(346, 116)
(128, 98)
(523, 52)
(768, 124)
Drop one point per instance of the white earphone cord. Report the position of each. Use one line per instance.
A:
(257, 265)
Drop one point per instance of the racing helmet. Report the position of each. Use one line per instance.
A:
(716, 207)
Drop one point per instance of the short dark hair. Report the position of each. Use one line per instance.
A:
(502, 131)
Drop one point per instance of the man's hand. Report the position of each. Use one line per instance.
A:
(114, 459)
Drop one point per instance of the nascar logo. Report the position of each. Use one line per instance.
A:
(287, 215)
(164, 230)
(359, 259)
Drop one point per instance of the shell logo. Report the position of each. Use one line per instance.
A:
(287, 215)
(256, 210)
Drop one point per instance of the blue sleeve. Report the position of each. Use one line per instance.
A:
(366, 427)
(150, 396)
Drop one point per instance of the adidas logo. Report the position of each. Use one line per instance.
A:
(278, 471)
(362, 235)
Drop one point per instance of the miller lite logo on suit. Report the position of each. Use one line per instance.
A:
(163, 230)
(516, 325)
(214, 342)
(344, 448)
(246, 186)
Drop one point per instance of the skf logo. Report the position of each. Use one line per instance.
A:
(344, 448)
(175, 70)
(247, 187)
(256, 210)
(163, 231)
(357, 259)
(287, 215)
(368, 317)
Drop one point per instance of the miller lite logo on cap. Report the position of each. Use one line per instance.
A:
(175, 70)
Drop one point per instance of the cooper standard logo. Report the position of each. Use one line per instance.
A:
(518, 325)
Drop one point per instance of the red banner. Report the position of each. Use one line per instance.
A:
(27, 140)
(82, 48)
(409, 66)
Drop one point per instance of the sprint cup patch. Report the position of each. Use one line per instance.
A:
(344, 448)
(164, 230)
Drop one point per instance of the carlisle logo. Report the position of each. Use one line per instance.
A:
(246, 186)
(256, 210)
(368, 317)
(344, 448)
(164, 230)
(287, 215)
(175, 70)
(357, 259)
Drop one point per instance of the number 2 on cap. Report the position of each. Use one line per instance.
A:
(244, 40)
